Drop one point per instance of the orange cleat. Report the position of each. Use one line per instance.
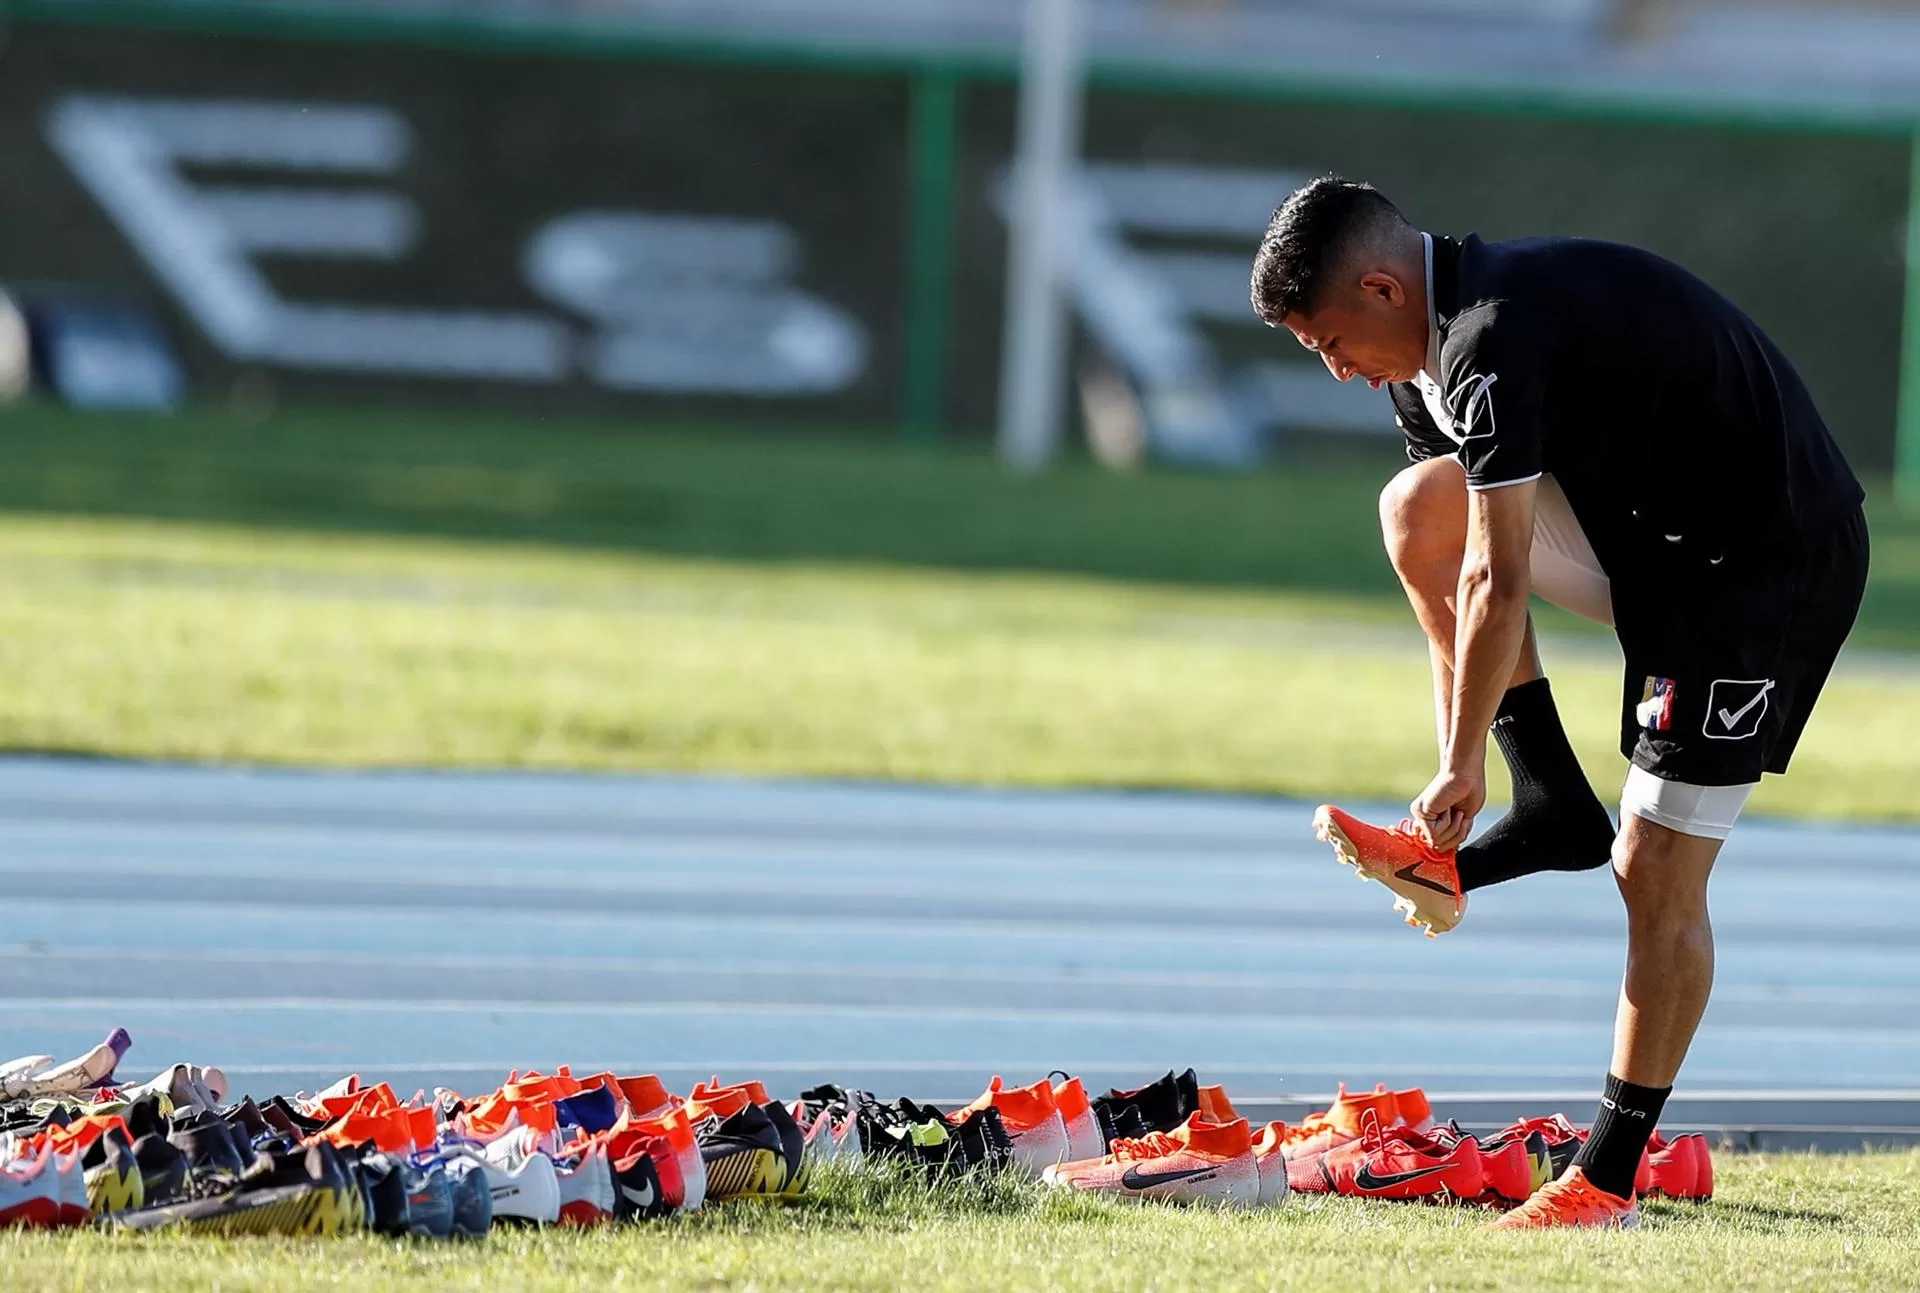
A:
(1032, 1119)
(1572, 1200)
(1410, 1107)
(493, 1116)
(1215, 1105)
(1200, 1161)
(646, 1095)
(1084, 1139)
(1427, 884)
(712, 1100)
(1270, 1158)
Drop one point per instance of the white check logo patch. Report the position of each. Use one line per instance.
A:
(1731, 720)
(1474, 398)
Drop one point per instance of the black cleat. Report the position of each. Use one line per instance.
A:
(306, 1194)
(385, 1178)
(163, 1170)
(745, 1156)
(983, 1140)
(793, 1145)
(472, 1197)
(1161, 1105)
(636, 1188)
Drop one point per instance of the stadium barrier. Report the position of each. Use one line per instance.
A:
(402, 208)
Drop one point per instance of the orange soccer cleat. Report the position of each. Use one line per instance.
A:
(1427, 884)
(712, 1100)
(1215, 1105)
(1033, 1121)
(1084, 1139)
(1572, 1200)
(1270, 1159)
(646, 1095)
(1200, 1161)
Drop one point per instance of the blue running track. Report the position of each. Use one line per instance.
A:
(290, 927)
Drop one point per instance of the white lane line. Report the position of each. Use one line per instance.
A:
(753, 877)
(1512, 933)
(374, 1070)
(1811, 1034)
(813, 971)
(1016, 856)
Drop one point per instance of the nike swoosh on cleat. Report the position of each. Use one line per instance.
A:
(1135, 1179)
(1364, 1179)
(638, 1198)
(1409, 874)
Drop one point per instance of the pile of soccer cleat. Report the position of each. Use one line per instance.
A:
(1385, 1145)
(1377, 1145)
(543, 1149)
(556, 1149)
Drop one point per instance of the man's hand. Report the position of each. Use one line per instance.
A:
(1445, 810)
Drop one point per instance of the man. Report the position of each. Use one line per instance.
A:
(1593, 423)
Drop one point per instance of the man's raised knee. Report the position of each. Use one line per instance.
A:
(1423, 517)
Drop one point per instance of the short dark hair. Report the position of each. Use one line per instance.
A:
(1313, 235)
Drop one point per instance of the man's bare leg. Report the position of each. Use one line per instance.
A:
(1556, 823)
(1663, 879)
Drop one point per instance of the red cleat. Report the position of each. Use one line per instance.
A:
(1341, 1124)
(1515, 1165)
(1681, 1168)
(1404, 1164)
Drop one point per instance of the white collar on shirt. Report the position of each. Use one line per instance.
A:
(1432, 369)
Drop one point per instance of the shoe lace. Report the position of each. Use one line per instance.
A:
(1157, 1144)
(1413, 835)
(1372, 1138)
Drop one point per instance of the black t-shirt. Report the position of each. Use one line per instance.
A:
(1677, 430)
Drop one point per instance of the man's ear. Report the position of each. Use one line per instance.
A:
(1385, 287)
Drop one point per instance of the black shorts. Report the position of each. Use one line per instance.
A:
(1725, 662)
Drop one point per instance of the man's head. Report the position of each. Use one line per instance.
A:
(1344, 271)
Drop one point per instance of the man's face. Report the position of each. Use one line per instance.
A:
(1371, 330)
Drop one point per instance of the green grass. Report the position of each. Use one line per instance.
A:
(1780, 1223)
(414, 591)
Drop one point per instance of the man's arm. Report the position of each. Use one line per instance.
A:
(1495, 358)
(1490, 632)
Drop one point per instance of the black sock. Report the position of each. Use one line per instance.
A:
(1556, 823)
(1620, 1133)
